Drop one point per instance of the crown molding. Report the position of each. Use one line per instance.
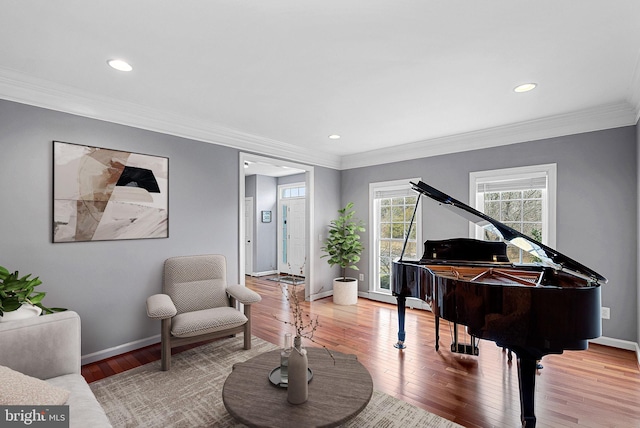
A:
(27, 90)
(44, 94)
(594, 119)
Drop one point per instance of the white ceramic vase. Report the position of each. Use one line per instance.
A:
(24, 311)
(298, 387)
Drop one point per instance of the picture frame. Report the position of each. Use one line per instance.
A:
(103, 194)
(266, 216)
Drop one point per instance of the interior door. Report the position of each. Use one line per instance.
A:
(248, 236)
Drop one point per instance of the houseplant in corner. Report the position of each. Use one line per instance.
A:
(18, 299)
(343, 248)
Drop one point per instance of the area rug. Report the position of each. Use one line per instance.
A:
(293, 280)
(190, 394)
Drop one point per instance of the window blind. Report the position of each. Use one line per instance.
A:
(394, 193)
(513, 185)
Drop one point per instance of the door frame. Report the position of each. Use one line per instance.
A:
(249, 214)
(309, 213)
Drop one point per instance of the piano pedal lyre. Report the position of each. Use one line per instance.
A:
(470, 348)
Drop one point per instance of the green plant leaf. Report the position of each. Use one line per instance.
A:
(37, 298)
(16, 289)
(10, 304)
(343, 246)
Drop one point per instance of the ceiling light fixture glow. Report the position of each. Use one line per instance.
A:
(334, 137)
(119, 65)
(525, 87)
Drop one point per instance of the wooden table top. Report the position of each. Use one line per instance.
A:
(337, 392)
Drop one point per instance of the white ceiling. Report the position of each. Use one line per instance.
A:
(270, 169)
(396, 79)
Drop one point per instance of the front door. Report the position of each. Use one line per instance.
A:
(291, 229)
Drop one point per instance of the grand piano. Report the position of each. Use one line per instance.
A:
(531, 309)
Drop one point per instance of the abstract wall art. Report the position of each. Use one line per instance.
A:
(101, 194)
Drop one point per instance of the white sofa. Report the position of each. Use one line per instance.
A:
(48, 348)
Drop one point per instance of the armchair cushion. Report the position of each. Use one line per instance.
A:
(160, 306)
(206, 321)
(191, 296)
(243, 294)
(196, 282)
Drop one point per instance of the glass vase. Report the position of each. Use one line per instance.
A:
(285, 352)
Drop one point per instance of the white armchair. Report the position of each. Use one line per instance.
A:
(197, 304)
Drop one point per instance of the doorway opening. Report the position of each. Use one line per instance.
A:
(263, 179)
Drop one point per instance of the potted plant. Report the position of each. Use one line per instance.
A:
(343, 248)
(18, 299)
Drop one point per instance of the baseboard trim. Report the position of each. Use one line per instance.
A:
(321, 295)
(618, 343)
(120, 349)
(137, 344)
(412, 302)
(265, 273)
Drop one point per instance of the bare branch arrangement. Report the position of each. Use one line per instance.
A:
(304, 325)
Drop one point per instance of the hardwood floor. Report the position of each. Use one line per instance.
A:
(599, 387)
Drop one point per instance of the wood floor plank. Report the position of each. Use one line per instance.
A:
(599, 387)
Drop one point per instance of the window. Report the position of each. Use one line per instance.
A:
(292, 192)
(392, 207)
(521, 198)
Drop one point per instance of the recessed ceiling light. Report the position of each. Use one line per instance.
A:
(334, 137)
(525, 87)
(120, 65)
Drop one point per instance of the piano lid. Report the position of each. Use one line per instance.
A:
(547, 256)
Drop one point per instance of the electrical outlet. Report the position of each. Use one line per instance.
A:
(605, 312)
(361, 277)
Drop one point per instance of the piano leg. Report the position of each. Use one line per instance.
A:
(402, 304)
(527, 377)
(437, 332)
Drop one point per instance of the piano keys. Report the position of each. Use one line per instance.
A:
(532, 309)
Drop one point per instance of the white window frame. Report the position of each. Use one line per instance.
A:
(375, 293)
(549, 171)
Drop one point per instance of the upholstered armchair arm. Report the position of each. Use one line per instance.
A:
(160, 306)
(243, 294)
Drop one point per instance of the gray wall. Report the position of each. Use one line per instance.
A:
(108, 282)
(265, 245)
(326, 205)
(596, 204)
(638, 237)
(289, 179)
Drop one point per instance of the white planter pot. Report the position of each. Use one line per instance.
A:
(345, 293)
(24, 311)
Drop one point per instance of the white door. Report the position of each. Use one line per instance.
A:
(295, 238)
(248, 236)
(291, 229)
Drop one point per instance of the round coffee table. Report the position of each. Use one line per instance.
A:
(337, 392)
